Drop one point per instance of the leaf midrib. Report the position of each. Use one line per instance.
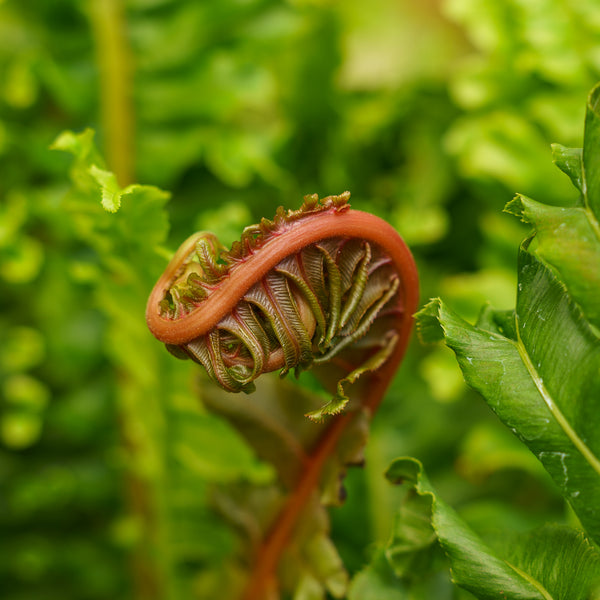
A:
(562, 421)
(534, 582)
(595, 225)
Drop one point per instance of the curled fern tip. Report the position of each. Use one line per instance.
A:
(323, 287)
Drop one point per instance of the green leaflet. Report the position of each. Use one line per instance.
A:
(539, 367)
(545, 385)
(142, 224)
(553, 563)
(111, 192)
(91, 178)
(339, 401)
(566, 239)
(569, 238)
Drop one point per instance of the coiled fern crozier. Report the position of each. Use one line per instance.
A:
(324, 288)
(323, 285)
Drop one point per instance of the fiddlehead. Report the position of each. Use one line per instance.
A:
(324, 288)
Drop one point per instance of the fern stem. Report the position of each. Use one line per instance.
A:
(116, 95)
(269, 553)
(267, 559)
(144, 494)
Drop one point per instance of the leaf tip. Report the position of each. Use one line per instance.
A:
(111, 193)
(74, 143)
(570, 162)
(516, 208)
(404, 470)
(65, 141)
(334, 407)
(428, 324)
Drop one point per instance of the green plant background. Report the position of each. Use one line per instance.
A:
(432, 113)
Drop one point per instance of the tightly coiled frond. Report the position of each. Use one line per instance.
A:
(300, 291)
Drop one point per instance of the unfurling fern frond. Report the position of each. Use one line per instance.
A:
(324, 287)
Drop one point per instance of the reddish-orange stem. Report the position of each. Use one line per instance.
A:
(273, 546)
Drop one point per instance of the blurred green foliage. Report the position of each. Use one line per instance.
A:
(433, 114)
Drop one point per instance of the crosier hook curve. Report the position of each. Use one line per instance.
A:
(323, 285)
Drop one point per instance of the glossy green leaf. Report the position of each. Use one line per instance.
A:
(554, 563)
(474, 565)
(545, 385)
(563, 560)
(539, 367)
(567, 239)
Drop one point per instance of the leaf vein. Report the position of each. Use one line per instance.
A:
(564, 424)
(534, 582)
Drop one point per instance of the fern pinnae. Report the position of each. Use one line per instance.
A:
(335, 293)
(363, 326)
(290, 269)
(246, 329)
(357, 285)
